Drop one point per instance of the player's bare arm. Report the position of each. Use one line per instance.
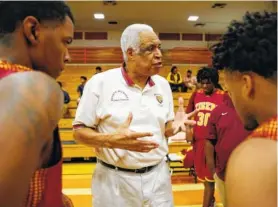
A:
(29, 113)
(210, 151)
(252, 174)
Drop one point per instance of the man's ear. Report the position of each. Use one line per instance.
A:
(130, 53)
(248, 88)
(31, 30)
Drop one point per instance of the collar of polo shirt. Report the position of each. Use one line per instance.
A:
(130, 82)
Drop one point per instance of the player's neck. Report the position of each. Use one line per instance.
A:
(267, 108)
(213, 91)
(268, 113)
(14, 56)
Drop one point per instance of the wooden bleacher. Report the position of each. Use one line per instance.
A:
(70, 77)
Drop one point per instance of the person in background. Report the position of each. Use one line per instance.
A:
(189, 81)
(175, 80)
(205, 100)
(66, 99)
(80, 88)
(225, 133)
(98, 69)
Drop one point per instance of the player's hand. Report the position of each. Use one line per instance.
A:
(126, 139)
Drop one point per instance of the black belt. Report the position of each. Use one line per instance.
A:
(141, 170)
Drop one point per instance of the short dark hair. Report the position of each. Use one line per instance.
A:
(83, 77)
(60, 83)
(13, 12)
(173, 68)
(250, 45)
(98, 68)
(189, 71)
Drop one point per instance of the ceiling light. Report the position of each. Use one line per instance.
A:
(99, 16)
(193, 18)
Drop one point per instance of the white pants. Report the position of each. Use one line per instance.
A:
(123, 189)
(220, 185)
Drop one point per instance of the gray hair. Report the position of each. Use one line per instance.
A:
(131, 37)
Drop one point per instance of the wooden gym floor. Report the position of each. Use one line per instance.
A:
(77, 179)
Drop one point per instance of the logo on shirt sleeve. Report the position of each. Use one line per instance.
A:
(119, 96)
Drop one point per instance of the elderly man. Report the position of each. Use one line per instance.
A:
(126, 114)
(248, 54)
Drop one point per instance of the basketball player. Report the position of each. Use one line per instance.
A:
(33, 37)
(248, 54)
(225, 133)
(205, 100)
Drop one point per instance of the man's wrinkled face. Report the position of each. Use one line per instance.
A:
(149, 58)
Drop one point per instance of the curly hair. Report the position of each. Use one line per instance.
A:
(250, 45)
(14, 12)
(210, 74)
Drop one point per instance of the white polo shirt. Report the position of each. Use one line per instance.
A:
(113, 92)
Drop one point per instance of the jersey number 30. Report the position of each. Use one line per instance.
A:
(203, 119)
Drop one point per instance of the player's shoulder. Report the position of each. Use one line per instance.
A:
(221, 92)
(199, 92)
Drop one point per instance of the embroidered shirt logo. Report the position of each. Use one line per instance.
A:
(119, 96)
(159, 98)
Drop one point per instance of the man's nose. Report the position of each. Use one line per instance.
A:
(158, 53)
(67, 57)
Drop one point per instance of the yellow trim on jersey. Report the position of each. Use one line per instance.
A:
(208, 180)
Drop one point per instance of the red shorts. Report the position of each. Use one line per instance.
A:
(201, 168)
(188, 161)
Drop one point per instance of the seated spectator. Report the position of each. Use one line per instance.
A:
(66, 100)
(190, 82)
(80, 88)
(98, 69)
(175, 80)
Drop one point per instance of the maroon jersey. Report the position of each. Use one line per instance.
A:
(206, 104)
(227, 129)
